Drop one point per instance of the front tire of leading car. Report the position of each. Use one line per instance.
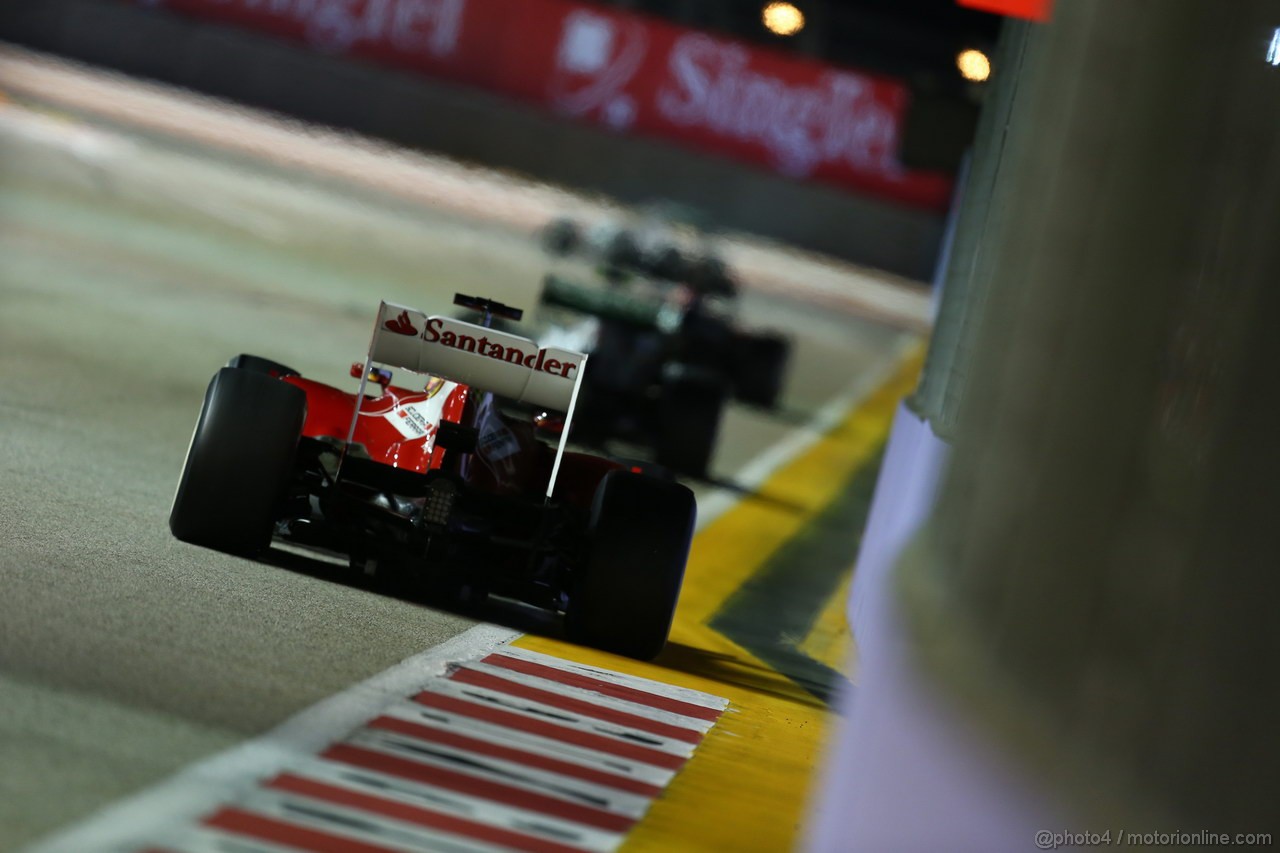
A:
(239, 463)
(623, 596)
(561, 237)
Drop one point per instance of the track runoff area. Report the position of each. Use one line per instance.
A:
(498, 740)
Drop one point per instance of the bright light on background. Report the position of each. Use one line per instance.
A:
(782, 18)
(1273, 49)
(973, 65)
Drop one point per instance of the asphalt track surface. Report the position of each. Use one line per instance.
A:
(130, 269)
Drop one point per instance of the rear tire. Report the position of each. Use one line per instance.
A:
(761, 368)
(689, 411)
(624, 596)
(258, 364)
(669, 263)
(561, 237)
(710, 277)
(622, 251)
(239, 463)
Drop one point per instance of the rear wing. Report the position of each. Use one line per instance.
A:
(508, 365)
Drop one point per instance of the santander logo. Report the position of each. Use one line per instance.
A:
(536, 360)
(401, 325)
(839, 120)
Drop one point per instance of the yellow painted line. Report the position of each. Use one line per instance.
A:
(830, 641)
(746, 786)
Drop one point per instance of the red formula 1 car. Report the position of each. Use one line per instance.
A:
(443, 480)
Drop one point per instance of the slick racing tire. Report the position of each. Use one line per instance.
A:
(561, 237)
(623, 597)
(258, 364)
(709, 276)
(239, 463)
(689, 411)
(761, 368)
(622, 251)
(669, 263)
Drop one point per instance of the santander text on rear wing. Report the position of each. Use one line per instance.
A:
(486, 359)
(508, 365)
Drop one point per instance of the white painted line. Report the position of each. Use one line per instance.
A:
(358, 825)
(428, 733)
(460, 805)
(569, 692)
(644, 685)
(602, 761)
(537, 712)
(752, 475)
(498, 770)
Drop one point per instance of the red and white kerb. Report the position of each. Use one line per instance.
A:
(515, 751)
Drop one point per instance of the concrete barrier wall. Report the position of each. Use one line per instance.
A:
(475, 126)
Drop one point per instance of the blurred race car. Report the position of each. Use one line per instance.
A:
(665, 242)
(441, 480)
(664, 363)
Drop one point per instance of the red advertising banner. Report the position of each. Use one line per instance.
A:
(1032, 10)
(630, 73)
